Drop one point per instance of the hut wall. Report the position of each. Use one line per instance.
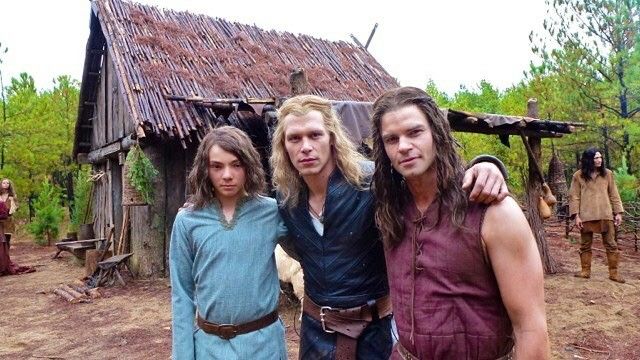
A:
(179, 161)
(102, 199)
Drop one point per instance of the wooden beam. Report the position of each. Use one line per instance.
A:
(503, 131)
(82, 158)
(111, 150)
(100, 155)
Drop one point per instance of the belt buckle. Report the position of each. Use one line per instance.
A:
(227, 331)
(322, 315)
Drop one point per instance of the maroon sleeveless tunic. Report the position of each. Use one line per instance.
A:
(446, 300)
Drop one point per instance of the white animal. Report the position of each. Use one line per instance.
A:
(290, 271)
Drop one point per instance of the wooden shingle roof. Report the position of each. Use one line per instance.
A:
(161, 53)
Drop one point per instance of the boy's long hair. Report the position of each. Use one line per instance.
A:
(232, 140)
(389, 187)
(286, 179)
(588, 166)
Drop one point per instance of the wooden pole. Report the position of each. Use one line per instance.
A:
(125, 225)
(299, 82)
(534, 191)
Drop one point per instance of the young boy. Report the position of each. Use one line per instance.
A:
(223, 271)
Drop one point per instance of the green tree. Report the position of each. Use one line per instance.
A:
(49, 214)
(591, 46)
(39, 132)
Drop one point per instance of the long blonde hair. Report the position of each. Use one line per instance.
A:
(286, 179)
(11, 191)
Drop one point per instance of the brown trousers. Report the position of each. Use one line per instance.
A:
(604, 227)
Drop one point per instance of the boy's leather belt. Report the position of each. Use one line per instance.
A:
(348, 323)
(229, 331)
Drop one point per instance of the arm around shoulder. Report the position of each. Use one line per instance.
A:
(516, 263)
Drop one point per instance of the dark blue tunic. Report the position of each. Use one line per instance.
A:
(344, 267)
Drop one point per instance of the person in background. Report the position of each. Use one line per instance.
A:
(595, 204)
(8, 206)
(10, 200)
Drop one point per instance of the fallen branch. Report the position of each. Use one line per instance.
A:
(591, 350)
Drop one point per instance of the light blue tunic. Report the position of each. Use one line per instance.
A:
(228, 273)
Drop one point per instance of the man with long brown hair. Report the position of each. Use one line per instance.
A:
(595, 204)
(323, 188)
(223, 271)
(465, 279)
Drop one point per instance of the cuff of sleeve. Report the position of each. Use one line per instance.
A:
(492, 159)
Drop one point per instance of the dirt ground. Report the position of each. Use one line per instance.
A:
(588, 319)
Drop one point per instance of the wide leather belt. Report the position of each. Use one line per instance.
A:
(229, 331)
(348, 323)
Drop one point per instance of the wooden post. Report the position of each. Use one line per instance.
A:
(534, 191)
(299, 82)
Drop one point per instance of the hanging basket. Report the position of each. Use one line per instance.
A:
(130, 196)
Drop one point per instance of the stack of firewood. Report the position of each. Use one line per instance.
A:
(77, 292)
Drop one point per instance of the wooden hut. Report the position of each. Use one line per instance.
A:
(163, 78)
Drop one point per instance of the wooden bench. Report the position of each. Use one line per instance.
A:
(108, 269)
(79, 248)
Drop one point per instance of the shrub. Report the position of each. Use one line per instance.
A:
(81, 194)
(48, 214)
(141, 173)
(627, 184)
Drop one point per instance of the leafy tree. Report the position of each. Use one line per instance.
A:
(592, 46)
(81, 194)
(49, 214)
(38, 132)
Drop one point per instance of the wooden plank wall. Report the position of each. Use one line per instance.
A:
(102, 199)
(112, 123)
(178, 166)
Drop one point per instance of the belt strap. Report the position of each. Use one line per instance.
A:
(347, 323)
(229, 331)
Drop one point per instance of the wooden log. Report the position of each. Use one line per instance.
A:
(81, 289)
(91, 260)
(63, 294)
(70, 291)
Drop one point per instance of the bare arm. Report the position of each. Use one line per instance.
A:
(516, 263)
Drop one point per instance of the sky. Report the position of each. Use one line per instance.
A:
(452, 42)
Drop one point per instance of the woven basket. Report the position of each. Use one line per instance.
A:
(130, 196)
